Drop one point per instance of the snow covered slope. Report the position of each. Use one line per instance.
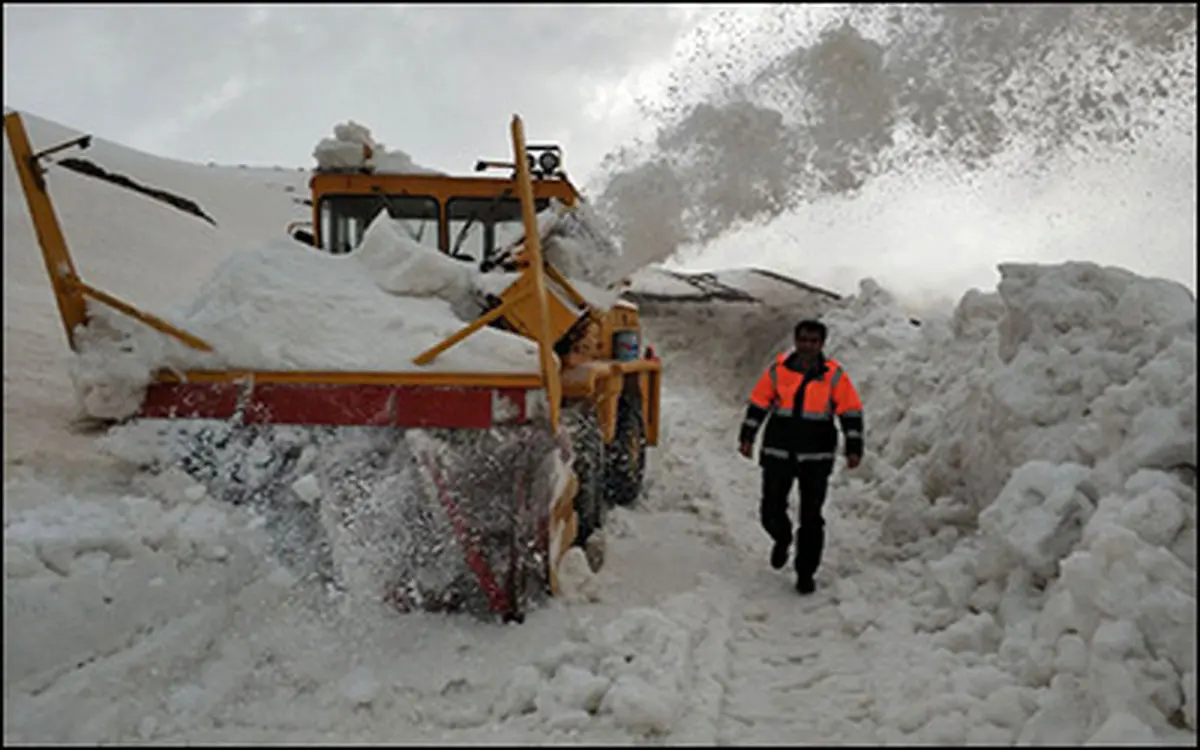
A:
(1013, 562)
(755, 285)
(140, 249)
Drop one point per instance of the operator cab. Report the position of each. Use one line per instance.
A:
(469, 218)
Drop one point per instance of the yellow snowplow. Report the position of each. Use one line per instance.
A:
(521, 466)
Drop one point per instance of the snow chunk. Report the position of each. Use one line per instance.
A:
(352, 148)
(1122, 728)
(1039, 516)
(1156, 513)
(977, 633)
(518, 694)
(578, 688)
(644, 671)
(1072, 655)
(307, 488)
(1116, 639)
(1009, 706)
(639, 705)
(576, 578)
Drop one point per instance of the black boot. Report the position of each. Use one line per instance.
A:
(805, 585)
(779, 554)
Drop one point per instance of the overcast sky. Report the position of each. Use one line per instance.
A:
(261, 85)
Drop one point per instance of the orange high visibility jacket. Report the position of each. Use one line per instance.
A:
(799, 409)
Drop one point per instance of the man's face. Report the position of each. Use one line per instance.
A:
(808, 343)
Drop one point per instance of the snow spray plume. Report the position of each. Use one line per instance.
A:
(843, 98)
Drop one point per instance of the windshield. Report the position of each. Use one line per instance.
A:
(490, 223)
(345, 218)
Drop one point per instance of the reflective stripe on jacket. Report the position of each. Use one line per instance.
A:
(799, 409)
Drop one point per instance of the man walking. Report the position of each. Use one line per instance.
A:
(798, 395)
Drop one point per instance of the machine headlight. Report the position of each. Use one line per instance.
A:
(549, 162)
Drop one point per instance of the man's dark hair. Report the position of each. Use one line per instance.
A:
(811, 326)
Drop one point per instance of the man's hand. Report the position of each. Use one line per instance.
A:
(853, 460)
(746, 449)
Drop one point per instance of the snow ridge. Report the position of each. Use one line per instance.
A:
(1036, 450)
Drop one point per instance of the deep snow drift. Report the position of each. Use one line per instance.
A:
(1038, 450)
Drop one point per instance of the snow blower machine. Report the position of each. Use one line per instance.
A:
(433, 488)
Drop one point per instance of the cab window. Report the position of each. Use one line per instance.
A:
(479, 226)
(344, 219)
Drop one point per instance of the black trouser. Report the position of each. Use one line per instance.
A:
(813, 478)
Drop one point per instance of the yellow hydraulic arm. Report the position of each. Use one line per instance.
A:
(70, 291)
(536, 287)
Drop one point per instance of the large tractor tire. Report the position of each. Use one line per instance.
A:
(587, 443)
(625, 468)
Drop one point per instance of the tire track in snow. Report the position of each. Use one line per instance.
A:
(684, 482)
(157, 678)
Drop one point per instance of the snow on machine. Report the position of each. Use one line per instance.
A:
(450, 481)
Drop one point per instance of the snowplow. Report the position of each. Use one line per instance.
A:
(509, 470)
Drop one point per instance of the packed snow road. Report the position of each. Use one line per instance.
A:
(855, 663)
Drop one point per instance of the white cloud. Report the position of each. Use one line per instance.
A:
(261, 84)
(257, 15)
(158, 135)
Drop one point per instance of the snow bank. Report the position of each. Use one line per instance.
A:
(652, 671)
(1037, 449)
(352, 148)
